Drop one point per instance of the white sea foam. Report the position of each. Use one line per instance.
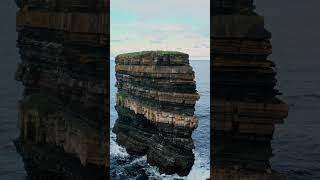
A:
(200, 169)
(116, 151)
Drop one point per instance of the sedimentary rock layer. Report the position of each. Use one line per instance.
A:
(244, 103)
(58, 145)
(156, 103)
(148, 88)
(234, 157)
(244, 95)
(168, 148)
(241, 159)
(63, 49)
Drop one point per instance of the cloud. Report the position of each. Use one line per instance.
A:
(149, 9)
(203, 45)
(116, 41)
(155, 41)
(161, 25)
(159, 38)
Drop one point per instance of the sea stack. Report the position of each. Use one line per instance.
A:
(155, 103)
(244, 105)
(63, 48)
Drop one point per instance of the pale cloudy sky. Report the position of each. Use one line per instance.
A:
(179, 25)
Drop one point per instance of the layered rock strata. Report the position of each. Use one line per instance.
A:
(63, 48)
(242, 159)
(58, 145)
(244, 105)
(155, 103)
(244, 94)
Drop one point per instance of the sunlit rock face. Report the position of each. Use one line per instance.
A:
(244, 105)
(155, 103)
(63, 49)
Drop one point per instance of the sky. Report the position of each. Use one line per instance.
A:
(176, 25)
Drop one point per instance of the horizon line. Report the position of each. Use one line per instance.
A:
(113, 59)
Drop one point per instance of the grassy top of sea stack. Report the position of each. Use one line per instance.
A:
(153, 58)
(152, 53)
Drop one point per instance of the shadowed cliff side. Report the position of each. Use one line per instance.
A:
(244, 105)
(155, 104)
(62, 114)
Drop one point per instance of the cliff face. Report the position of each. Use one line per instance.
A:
(242, 159)
(155, 104)
(63, 49)
(244, 79)
(244, 105)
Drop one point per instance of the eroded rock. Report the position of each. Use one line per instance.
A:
(245, 107)
(62, 117)
(156, 103)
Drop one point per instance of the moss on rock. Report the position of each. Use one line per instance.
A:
(151, 53)
(122, 94)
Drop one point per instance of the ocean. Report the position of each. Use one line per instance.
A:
(296, 143)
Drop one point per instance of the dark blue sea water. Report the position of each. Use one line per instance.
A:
(11, 166)
(122, 163)
(296, 143)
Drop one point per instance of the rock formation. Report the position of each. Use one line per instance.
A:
(244, 105)
(241, 159)
(63, 119)
(155, 103)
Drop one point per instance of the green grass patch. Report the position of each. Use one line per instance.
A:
(151, 53)
(122, 94)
